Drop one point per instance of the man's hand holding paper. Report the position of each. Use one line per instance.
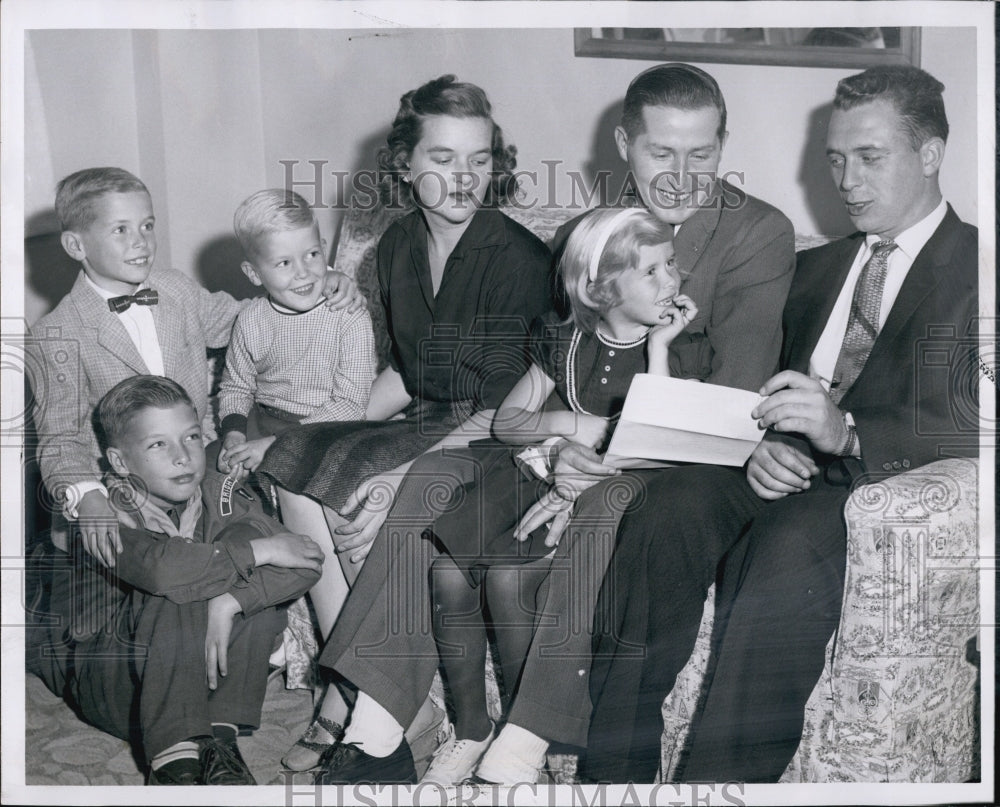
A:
(798, 403)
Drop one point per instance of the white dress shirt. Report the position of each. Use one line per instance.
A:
(909, 243)
(138, 322)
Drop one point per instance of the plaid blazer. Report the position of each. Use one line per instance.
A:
(80, 350)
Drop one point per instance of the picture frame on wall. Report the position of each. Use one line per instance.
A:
(805, 47)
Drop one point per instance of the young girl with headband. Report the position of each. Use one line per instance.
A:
(623, 287)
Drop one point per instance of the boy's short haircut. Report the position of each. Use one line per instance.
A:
(589, 300)
(76, 194)
(269, 211)
(119, 407)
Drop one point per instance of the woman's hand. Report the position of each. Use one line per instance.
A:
(221, 611)
(375, 495)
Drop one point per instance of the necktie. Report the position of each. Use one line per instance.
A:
(141, 297)
(862, 323)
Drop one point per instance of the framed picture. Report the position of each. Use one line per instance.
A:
(808, 47)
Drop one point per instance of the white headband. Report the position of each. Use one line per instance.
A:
(605, 234)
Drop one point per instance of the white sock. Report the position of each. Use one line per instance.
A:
(185, 749)
(515, 756)
(372, 728)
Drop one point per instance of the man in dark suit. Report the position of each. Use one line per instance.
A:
(850, 406)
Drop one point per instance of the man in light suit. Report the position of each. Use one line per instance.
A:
(851, 405)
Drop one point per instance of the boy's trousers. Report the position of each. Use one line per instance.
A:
(146, 680)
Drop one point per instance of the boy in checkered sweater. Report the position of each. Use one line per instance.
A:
(290, 359)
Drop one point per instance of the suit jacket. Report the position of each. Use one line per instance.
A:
(737, 259)
(916, 400)
(81, 350)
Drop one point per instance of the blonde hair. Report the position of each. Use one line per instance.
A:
(605, 244)
(269, 211)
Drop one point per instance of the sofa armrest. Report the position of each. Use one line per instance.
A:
(896, 701)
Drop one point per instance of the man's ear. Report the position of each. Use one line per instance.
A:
(117, 461)
(621, 140)
(722, 142)
(251, 273)
(932, 155)
(73, 244)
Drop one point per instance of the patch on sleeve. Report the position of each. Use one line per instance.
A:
(226, 496)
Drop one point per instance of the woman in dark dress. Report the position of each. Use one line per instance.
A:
(460, 283)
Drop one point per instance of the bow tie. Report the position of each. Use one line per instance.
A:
(141, 297)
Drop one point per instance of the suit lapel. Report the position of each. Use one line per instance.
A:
(111, 334)
(166, 320)
(802, 338)
(928, 270)
(691, 240)
(925, 274)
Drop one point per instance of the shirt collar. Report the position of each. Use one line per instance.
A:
(487, 228)
(912, 239)
(291, 312)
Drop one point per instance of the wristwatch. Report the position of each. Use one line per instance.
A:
(851, 438)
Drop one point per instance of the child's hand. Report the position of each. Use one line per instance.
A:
(221, 611)
(289, 551)
(675, 318)
(250, 454)
(591, 431)
(226, 464)
(342, 291)
(97, 527)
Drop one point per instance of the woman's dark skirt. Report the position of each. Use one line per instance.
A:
(327, 461)
(477, 530)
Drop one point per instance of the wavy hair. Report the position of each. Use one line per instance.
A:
(441, 96)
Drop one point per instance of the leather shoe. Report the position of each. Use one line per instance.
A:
(223, 764)
(181, 772)
(348, 765)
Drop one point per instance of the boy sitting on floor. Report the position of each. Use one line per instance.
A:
(170, 648)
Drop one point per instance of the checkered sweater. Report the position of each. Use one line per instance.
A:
(319, 364)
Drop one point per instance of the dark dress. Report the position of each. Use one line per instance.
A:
(458, 352)
(592, 374)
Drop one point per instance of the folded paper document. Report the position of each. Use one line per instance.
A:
(671, 420)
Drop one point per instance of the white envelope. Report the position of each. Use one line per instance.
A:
(672, 420)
